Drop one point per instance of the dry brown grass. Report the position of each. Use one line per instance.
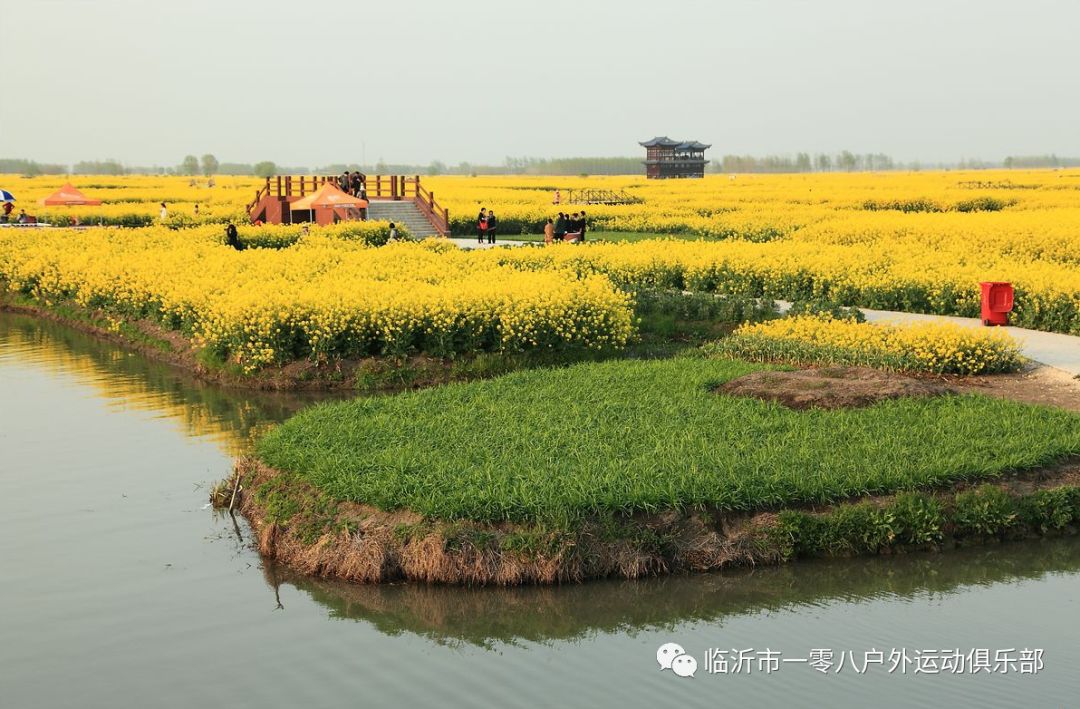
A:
(376, 551)
(366, 545)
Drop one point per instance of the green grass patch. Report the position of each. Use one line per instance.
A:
(977, 204)
(920, 521)
(668, 315)
(558, 445)
(382, 375)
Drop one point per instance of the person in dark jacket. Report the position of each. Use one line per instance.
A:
(232, 238)
(481, 225)
(492, 225)
(560, 227)
(573, 228)
(581, 224)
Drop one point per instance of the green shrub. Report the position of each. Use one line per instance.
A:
(981, 204)
(824, 307)
(902, 205)
(986, 511)
(1046, 510)
(918, 519)
(702, 306)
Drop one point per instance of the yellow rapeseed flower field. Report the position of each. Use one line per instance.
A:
(919, 347)
(917, 242)
(322, 296)
(135, 200)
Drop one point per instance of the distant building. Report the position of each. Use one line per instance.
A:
(665, 158)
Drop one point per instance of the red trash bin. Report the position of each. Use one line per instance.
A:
(997, 301)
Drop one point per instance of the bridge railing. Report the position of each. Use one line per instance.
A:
(438, 216)
(378, 187)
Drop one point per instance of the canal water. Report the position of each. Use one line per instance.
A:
(119, 589)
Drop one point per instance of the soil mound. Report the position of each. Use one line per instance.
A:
(830, 387)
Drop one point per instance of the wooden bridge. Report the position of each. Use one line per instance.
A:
(272, 200)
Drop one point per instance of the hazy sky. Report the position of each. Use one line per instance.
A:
(316, 82)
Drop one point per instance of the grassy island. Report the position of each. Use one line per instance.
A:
(627, 468)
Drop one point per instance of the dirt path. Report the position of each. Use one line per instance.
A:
(1037, 385)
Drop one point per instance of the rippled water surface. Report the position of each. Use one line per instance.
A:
(118, 589)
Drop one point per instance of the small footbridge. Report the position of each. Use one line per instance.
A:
(396, 198)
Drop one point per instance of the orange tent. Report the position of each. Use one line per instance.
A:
(328, 197)
(69, 196)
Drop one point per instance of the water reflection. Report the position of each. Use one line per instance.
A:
(544, 614)
(126, 380)
(117, 579)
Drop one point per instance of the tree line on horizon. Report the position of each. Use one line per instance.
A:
(844, 161)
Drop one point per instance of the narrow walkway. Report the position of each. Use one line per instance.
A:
(467, 243)
(1049, 348)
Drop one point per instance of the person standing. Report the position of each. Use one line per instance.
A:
(557, 198)
(560, 227)
(492, 225)
(196, 209)
(481, 225)
(549, 232)
(572, 228)
(8, 207)
(164, 212)
(393, 232)
(343, 182)
(582, 225)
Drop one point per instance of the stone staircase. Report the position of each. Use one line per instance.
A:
(403, 212)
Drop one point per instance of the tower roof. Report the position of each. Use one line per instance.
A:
(660, 142)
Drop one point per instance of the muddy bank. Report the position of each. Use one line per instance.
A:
(837, 387)
(1036, 384)
(296, 525)
(830, 387)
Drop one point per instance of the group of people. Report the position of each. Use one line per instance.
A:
(163, 213)
(5, 218)
(353, 183)
(566, 227)
(487, 224)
